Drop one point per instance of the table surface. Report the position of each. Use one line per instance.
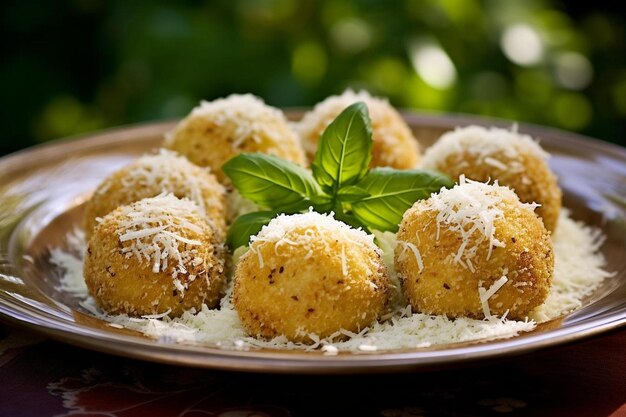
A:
(46, 378)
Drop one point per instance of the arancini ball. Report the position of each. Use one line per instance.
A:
(154, 256)
(309, 274)
(474, 250)
(151, 175)
(514, 159)
(216, 131)
(393, 142)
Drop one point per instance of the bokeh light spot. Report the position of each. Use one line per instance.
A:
(351, 35)
(522, 45)
(572, 70)
(433, 65)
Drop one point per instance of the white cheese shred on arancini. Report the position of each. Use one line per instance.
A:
(414, 250)
(147, 225)
(277, 231)
(486, 294)
(241, 111)
(471, 209)
(578, 271)
(483, 143)
(162, 171)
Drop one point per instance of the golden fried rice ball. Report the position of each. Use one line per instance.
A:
(154, 256)
(471, 244)
(515, 160)
(152, 175)
(394, 144)
(216, 131)
(309, 273)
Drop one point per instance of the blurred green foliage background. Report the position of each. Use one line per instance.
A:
(70, 67)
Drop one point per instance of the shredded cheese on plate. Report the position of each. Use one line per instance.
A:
(578, 271)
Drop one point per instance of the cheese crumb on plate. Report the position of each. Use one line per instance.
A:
(578, 272)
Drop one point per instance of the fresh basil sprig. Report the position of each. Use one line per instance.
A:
(340, 182)
(392, 192)
(344, 150)
(272, 182)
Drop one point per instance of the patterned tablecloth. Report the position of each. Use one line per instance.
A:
(45, 378)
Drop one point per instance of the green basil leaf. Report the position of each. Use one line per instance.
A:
(392, 192)
(272, 182)
(351, 194)
(322, 203)
(245, 226)
(344, 150)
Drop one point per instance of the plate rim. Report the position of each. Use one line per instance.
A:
(302, 362)
(287, 362)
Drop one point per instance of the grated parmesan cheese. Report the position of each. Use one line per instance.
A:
(163, 172)
(330, 350)
(149, 226)
(245, 112)
(414, 250)
(578, 268)
(485, 295)
(470, 209)
(578, 272)
(276, 231)
(368, 348)
(484, 143)
(70, 262)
